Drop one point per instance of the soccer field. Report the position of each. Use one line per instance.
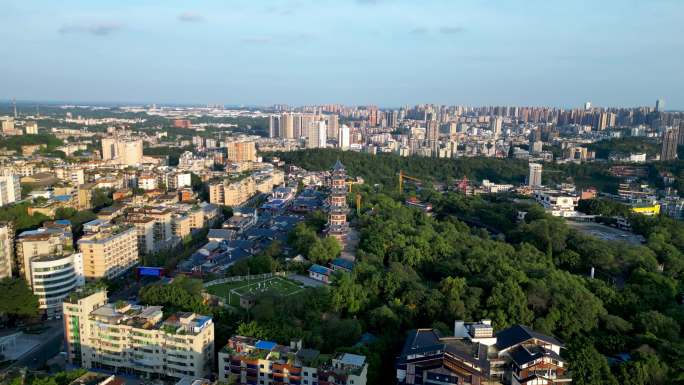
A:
(272, 285)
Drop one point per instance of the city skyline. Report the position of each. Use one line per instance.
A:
(29, 106)
(387, 53)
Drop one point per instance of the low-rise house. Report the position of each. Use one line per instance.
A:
(342, 265)
(320, 273)
(218, 235)
(557, 203)
(241, 221)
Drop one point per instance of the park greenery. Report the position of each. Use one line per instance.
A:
(60, 378)
(18, 214)
(305, 241)
(16, 301)
(604, 149)
(182, 294)
(383, 169)
(474, 259)
(15, 143)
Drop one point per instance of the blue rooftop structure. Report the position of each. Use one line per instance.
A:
(265, 345)
(62, 198)
(95, 222)
(202, 320)
(342, 264)
(353, 360)
(320, 269)
(63, 222)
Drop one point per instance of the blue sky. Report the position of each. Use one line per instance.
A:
(385, 52)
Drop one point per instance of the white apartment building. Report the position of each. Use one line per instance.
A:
(147, 182)
(317, 136)
(535, 178)
(52, 278)
(343, 138)
(10, 189)
(6, 249)
(183, 180)
(131, 339)
(31, 128)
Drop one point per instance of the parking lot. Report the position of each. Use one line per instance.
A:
(606, 233)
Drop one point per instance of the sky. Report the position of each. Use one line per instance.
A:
(356, 52)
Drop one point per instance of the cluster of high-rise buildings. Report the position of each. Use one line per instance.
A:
(314, 129)
(452, 131)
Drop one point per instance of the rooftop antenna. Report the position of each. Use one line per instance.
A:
(14, 104)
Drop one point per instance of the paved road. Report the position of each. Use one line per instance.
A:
(50, 346)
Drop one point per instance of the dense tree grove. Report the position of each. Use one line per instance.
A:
(17, 300)
(417, 270)
(183, 294)
(384, 168)
(625, 146)
(15, 142)
(321, 250)
(18, 215)
(473, 259)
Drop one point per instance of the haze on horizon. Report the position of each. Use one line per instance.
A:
(383, 52)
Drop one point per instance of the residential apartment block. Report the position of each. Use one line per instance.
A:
(54, 238)
(157, 219)
(10, 189)
(6, 250)
(241, 151)
(236, 193)
(247, 360)
(132, 339)
(108, 250)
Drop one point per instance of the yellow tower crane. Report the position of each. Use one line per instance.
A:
(403, 176)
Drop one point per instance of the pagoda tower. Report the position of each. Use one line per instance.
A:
(337, 226)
